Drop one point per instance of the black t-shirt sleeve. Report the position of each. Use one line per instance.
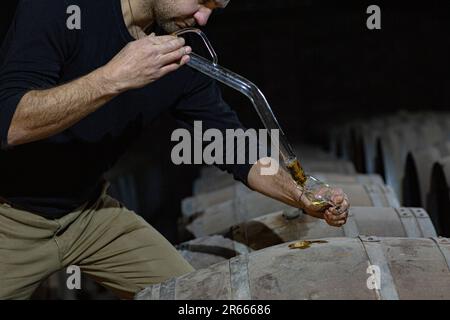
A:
(203, 101)
(32, 54)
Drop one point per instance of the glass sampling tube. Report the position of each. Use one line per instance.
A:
(316, 191)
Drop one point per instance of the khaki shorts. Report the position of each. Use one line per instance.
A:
(109, 243)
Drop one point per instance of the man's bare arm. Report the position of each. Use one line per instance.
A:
(44, 113)
(283, 188)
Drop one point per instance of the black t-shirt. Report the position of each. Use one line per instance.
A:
(54, 176)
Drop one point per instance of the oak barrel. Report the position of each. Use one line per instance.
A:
(395, 144)
(439, 196)
(363, 137)
(368, 268)
(291, 224)
(418, 169)
(360, 138)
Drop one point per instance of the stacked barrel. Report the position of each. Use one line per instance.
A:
(246, 246)
(411, 151)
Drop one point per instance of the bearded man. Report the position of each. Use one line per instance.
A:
(71, 102)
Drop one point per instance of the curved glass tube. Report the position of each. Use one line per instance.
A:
(252, 92)
(315, 190)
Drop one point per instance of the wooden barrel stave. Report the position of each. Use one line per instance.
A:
(335, 268)
(396, 142)
(417, 173)
(349, 178)
(363, 136)
(210, 184)
(204, 252)
(192, 205)
(438, 202)
(277, 228)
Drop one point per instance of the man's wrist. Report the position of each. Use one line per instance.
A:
(103, 80)
(293, 190)
(299, 191)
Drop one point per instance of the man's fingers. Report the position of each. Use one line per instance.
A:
(170, 46)
(338, 196)
(174, 66)
(183, 61)
(337, 199)
(345, 205)
(175, 56)
(331, 210)
(161, 39)
(339, 209)
(337, 221)
(335, 217)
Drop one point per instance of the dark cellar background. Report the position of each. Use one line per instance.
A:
(317, 63)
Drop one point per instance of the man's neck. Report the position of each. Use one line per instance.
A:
(138, 16)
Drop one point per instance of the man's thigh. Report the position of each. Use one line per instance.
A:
(28, 252)
(119, 249)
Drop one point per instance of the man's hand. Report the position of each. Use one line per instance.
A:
(144, 61)
(283, 188)
(44, 113)
(335, 215)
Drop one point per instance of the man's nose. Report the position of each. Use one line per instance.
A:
(202, 16)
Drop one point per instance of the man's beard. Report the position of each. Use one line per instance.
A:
(168, 26)
(165, 20)
(171, 26)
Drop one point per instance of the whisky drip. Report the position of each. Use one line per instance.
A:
(297, 172)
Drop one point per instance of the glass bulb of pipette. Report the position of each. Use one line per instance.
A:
(317, 192)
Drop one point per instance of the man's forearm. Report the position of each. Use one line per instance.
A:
(283, 188)
(279, 186)
(44, 113)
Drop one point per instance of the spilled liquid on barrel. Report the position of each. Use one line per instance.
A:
(305, 244)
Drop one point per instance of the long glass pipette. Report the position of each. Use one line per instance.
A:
(317, 191)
